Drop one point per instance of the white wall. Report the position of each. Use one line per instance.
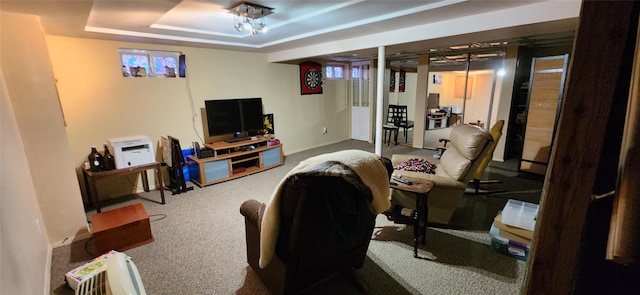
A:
(408, 96)
(477, 107)
(98, 103)
(24, 246)
(41, 202)
(433, 87)
(42, 205)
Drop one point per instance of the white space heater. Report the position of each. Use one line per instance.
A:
(121, 277)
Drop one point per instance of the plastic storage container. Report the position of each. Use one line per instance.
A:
(185, 169)
(520, 214)
(186, 153)
(507, 247)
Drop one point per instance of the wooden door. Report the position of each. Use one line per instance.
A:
(360, 93)
(545, 93)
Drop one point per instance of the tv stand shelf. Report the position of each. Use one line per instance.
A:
(235, 159)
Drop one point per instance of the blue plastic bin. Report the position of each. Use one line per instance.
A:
(185, 168)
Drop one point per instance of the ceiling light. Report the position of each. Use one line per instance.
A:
(239, 26)
(250, 16)
(482, 55)
(459, 47)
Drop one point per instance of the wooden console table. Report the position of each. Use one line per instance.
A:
(90, 178)
(236, 159)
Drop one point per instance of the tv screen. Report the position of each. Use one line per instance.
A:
(251, 113)
(228, 116)
(223, 116)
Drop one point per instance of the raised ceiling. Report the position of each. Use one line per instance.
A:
(300, 24)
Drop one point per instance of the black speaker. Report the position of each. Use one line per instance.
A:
(206, 153)
(182, 66)
(196, 148)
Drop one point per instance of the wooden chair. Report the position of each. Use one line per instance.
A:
(390, 127)
(403, 122)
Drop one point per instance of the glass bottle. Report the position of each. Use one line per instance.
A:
(109, 160)
(95, 160)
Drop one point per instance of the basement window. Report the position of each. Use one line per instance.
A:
(334, 71)
(148, 63)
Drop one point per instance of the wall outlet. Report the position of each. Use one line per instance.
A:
(324, 130)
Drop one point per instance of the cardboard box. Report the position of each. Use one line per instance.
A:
(121, 229)
(497, 222)
(513, 237)
(87, 270)
(507, 247)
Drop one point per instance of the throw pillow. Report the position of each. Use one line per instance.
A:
(417, 165)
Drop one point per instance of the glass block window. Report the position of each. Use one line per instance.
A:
(328, 72)
(133, 63)
(147, 63)
(355, 72)
(165, 66)
(334, 71)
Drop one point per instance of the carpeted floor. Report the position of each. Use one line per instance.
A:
(199, 243)
(431, 138)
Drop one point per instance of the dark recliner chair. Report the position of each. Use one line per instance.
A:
(326, 223)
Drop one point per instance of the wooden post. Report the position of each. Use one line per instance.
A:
(598, 79)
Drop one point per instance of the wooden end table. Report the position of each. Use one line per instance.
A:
(121, 229)
(421, 187)
(90, 178)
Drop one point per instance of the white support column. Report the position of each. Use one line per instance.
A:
(379, 99)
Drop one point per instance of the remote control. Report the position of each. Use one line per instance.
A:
(405, 181)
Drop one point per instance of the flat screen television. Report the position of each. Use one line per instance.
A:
(238, 116)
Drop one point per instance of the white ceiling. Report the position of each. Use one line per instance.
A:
(347, 29)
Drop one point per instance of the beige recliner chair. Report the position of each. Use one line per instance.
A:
(496, 133)
(467, 147)
(326, 214)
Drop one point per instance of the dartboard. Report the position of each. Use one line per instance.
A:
(312, 79)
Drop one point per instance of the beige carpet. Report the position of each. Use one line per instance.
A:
(199, 246)
(431, 137)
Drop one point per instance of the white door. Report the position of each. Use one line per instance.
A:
(360, 94)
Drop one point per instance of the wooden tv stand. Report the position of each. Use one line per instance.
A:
(235, 159)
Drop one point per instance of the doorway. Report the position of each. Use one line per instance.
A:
(360, 94)
(463, 88)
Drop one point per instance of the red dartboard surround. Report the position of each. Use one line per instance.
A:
(310, 78)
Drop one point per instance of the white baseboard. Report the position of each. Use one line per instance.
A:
(47, 271)
(81, 235)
